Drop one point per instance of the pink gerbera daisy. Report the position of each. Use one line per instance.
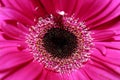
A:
(59, 40)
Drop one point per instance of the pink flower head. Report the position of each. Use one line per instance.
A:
(59, 40)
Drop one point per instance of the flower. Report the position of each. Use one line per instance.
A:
(59, 40)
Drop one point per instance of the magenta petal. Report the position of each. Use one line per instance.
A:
(113, 15)
(95, 8)
(61, 5)
(52, 6)
(22, 28)
(13, 32)
(7, 44)
(111, 45)
(8, 13)
(112, 57)
(1, 4)
(53, 75)
(110, 12)
(101, 17)
(39, 9)
(16, 45)
(48, 6)
(6, 50)
(26, 9)
(13, 59)
(110, 67)
(3, 74)
(103, 35)
(113, 54)
(25, 73)
(43, 74)
(114, 68)
(78, 75)
(116, 38)
(98, 71)
(84, 8)
(1, 36)
(101, 48)
(115, 25)
(110, 25)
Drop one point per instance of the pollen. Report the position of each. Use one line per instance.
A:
(62, 43)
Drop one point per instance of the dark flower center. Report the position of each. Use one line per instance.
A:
(60, 43)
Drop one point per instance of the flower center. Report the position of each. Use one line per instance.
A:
(59, 42)
(62, 44)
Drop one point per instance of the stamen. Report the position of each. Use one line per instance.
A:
(63, 44)
(36, 8)
(61, 13)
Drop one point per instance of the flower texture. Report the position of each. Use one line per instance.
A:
(59, 40)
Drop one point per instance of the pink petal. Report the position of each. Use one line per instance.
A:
(1, 36)
(79, 75)
(114, 69)
(97, 71)
(43, 74)
(12, 59)
(66, 76)
(7, 50)
(61, 5)
(84, 8)
(48, 6)
(116, 38)
(115, 25)
(3, 74)
(110, 25)
(101, 48)
(26, 8)
(93, 9)
(22, 27)
(6, 44)
(114, 54)
(39, 9)
(13, 32)
(29, 72)
(112, 57)
(1, 3)
(52, 6)
(103, 35)
(8, 13)
(110, 12)
(111, 45)
(52, 75)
